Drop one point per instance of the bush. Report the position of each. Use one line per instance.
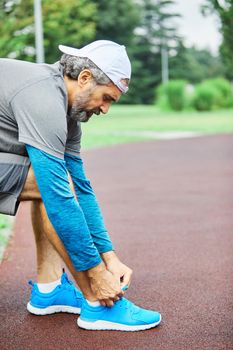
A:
(213, 94)
(225, 95)
(172, 95)
(205, 97)
(210, 94)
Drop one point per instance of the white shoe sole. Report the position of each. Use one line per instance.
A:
(111, 326)
(52, 309)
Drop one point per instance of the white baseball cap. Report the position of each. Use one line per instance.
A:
(109, 56)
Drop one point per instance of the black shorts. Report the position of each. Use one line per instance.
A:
(13, 174)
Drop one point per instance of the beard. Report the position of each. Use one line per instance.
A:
(79, 111)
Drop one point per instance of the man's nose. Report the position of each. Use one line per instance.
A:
(104, 108)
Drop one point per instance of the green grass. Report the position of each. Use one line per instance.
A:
(125, 124)
(5, 226)
(4, 221)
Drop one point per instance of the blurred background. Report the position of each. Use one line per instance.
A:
(181, 53)
(184, 42)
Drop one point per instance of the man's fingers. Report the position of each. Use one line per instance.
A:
(112, 298)
(108, 302)
(121, 294)
(126, 280)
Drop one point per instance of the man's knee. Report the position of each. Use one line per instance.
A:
(30, 190)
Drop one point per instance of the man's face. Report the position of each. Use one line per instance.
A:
(93, 99)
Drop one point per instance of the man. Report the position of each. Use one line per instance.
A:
(41, 107)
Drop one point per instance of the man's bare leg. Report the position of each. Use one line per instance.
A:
(48, 239)
(48, 245)
(48, 260)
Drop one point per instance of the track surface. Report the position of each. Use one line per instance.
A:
(168, 206)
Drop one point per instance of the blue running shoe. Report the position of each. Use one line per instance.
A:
(64, 298)
(122, 316)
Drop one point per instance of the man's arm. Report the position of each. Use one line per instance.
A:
(69, 222)
(63, 209)
(94, 218)
(89, 204)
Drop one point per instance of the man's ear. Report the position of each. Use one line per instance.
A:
(85, 76)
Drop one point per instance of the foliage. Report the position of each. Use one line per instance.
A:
(225, 93)
(68, 22)
(213, 94)
(154, 31)
(208, 95)
(224, 9)
(194, 65)
(205, 97)
(143, 26)
(172, 95)
(116, 20)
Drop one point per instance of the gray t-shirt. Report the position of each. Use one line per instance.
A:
(33, 110)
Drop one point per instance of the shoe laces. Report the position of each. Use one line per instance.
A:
(128, 305)
(124, 303)
(66, 280)
(70, 286)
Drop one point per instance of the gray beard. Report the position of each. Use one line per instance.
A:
(80, 114)
(78, 111)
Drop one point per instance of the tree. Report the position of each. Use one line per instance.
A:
(68, 22)
(155, 31)
(224, 9)
(194, 65)
(116, 20)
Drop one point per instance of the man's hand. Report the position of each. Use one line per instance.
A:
(122, 272)
(105, 286)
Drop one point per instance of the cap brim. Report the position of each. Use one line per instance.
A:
(70, 50)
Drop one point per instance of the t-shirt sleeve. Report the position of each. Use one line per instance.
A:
(73, 143)
(40, 113)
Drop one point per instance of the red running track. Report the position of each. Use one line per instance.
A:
(168, 206)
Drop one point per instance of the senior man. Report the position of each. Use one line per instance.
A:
(41, 107)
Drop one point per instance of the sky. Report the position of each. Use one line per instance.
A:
(203, 32)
